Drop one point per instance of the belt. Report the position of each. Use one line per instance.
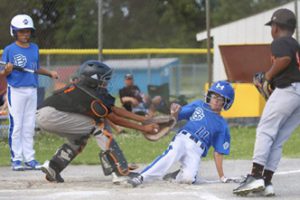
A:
(198, 142)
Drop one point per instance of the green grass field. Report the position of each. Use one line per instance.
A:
(139, 150)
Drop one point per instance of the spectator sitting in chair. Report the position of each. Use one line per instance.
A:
(135, 101)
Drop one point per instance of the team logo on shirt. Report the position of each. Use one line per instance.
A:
(197, 115)
(226, 145)
(20, 60)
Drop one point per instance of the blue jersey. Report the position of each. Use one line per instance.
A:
(23, 57)
(206, 125)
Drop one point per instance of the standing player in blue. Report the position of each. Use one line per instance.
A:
(205, 127)
(22, 92)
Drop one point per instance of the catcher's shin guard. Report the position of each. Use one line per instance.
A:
(105, 163)
(113, 160)
(111, 157)
(63, 156)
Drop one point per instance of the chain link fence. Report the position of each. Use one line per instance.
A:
(185, 74)
(72, 24)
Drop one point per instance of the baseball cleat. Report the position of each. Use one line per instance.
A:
(32, 165)
(51, 174)
(17, 165)
(133, 174)
(251, 184)
(268, 191)
(136, 181)
(118, 180)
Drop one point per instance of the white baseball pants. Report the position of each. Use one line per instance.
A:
(182, 149)
(22, 104)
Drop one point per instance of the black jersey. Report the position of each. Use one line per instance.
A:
(130, 91)
(286, 46)
(79, 99)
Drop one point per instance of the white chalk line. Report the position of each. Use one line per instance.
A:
(287, 172)
(36, 194)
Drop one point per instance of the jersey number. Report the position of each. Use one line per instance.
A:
(202, 133)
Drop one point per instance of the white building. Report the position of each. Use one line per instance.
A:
(250, 30)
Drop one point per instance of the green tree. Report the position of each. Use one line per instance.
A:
(224, 11)
(126, 23)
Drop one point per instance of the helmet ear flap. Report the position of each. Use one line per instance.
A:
(208, 97)
(227, 104)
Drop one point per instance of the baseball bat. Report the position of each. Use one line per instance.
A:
(22, 69)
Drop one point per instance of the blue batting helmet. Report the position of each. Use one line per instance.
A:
(224, 89)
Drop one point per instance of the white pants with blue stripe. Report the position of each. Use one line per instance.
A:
(182, 149)
(22, 104)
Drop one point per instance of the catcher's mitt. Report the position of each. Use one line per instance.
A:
(166, 124)
(262, 85)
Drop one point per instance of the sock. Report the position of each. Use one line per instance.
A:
(268, 174)
(257, 170)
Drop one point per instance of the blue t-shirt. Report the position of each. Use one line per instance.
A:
(207, 126)
(23, 57)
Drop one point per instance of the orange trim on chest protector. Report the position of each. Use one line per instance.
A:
(69, 89)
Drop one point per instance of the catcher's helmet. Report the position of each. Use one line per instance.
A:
(20, 22)
(95, 74)
(224, 89)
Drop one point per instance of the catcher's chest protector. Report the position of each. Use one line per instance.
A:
(73, 99)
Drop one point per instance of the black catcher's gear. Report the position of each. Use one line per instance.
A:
(94, 73)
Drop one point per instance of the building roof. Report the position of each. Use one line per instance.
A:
(247, 30)
(141, 63)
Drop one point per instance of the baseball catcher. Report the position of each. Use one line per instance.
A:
(77, 112)
(263, 85)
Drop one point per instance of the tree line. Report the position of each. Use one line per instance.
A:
(126, 23)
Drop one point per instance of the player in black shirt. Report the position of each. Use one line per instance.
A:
(282, 110)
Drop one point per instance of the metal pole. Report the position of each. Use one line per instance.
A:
(209, 64)
(100, 36)
(48, 60)
(149, 69)
(296, 13)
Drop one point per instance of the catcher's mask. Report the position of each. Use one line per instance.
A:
(95, 74)
(225, 90)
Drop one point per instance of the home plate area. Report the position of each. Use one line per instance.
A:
(88, 182)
